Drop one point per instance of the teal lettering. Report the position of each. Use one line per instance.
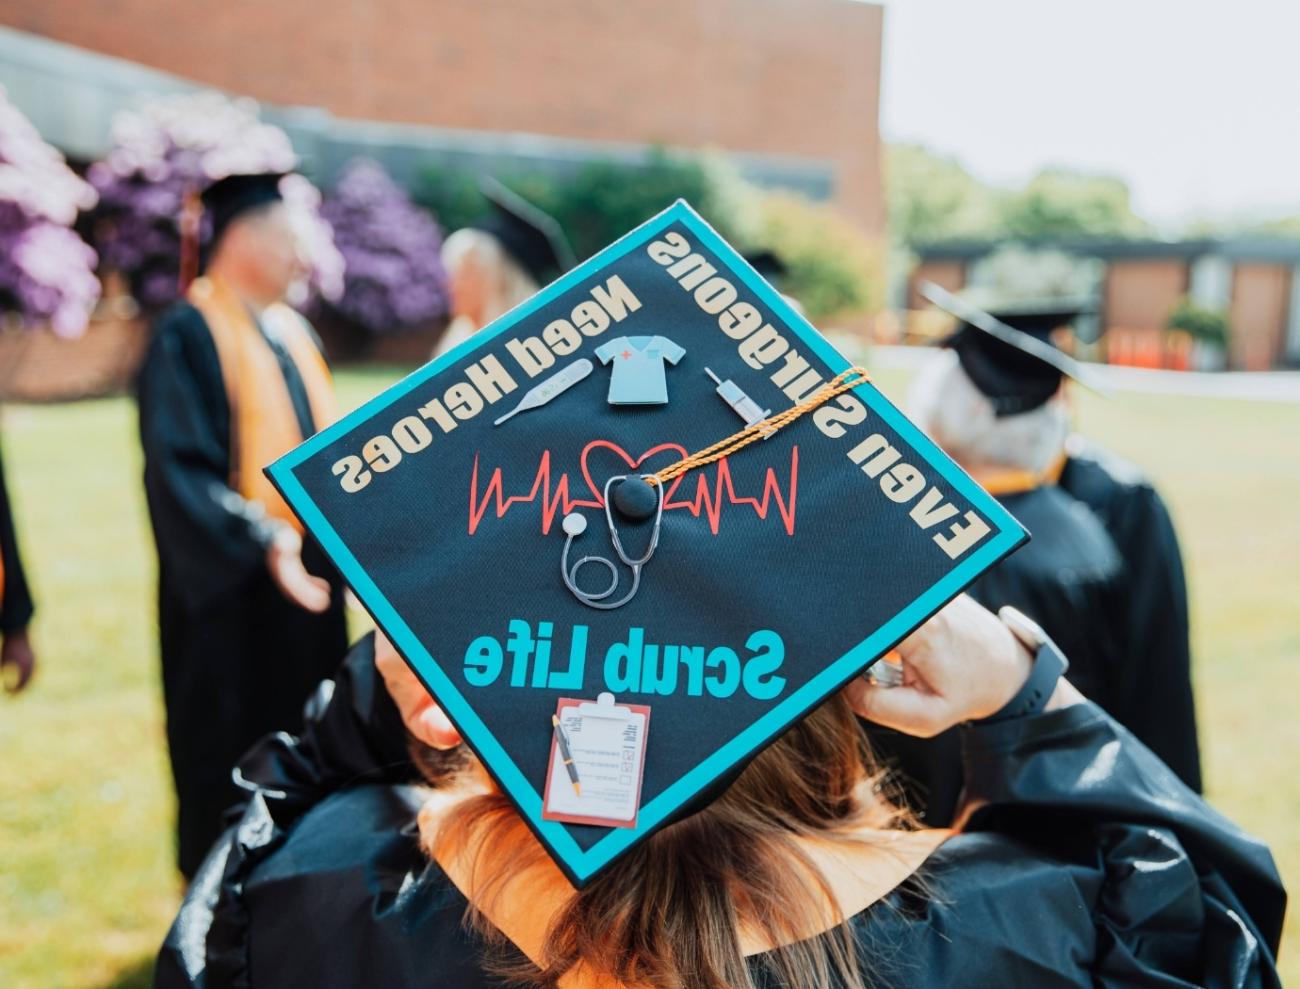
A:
(483, 661)
(725, 685)
(623, 664)
(659, 677)
(692, 657)
(520, 646)
(759, 677)
(571, 679)
(542, 664)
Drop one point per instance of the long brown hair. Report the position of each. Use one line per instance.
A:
(670, 912)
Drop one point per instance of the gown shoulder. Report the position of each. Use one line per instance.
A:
(1083, 861)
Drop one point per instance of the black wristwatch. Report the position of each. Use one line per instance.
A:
(1049, 666)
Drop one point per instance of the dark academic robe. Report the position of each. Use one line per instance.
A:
(16, 600)
(238, 658)
(1087, 864)
(1153, 693)
(1070, 579)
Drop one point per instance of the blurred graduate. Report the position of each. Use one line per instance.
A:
(250, 617)
(1102, 574)
(497, 264)
(17, 659)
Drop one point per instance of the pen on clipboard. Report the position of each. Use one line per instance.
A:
(563, 740)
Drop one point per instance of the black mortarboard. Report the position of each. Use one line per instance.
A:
(1008, 354)
(768, 264)
(777, 573)
(227, 198)
(532, 237)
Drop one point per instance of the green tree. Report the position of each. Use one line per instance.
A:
(1062, 203)
(932, 197)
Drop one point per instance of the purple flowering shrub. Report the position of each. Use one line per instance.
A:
(391, 249)
(170, 148)
(47, 272)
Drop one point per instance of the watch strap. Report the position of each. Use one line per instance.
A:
(1049, 666)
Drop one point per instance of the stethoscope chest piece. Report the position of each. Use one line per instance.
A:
(637, 499)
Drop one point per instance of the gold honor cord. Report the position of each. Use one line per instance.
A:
(846, 380)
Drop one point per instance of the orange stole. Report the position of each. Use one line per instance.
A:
(263, 424)
(1012, 481)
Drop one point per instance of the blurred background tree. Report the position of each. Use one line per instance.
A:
(1203, 324)
(605, 199)
(393, 276)
(170, 148)
(47, 272)
(833, 268)
(931, 197)
(1060, 202)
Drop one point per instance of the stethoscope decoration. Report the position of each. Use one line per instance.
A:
(640, 498)
(637, 498)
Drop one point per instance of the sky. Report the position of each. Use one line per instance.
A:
(1196, 104)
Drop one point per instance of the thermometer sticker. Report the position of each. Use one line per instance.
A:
(558, 383)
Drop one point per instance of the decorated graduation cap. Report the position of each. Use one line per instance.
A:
(228, 198)
(634, 529)
(1008, 354)
(532, 237)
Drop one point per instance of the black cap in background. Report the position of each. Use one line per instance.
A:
(227, 198)
(767, 264)
(532, 238)
(1009, 354)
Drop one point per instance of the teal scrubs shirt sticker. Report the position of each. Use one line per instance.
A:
(781, 572)
(638, 374)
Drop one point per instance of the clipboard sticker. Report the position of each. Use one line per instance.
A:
(601, 784)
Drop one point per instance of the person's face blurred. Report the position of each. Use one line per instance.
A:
(264, 249)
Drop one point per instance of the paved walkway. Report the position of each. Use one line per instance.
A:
(1257, 386)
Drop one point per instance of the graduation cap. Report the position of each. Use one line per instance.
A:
(228, 198)
(767, 264)
(492, 512)
(532, 237)
(1009, 355)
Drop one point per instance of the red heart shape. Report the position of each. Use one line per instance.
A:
(632, 464)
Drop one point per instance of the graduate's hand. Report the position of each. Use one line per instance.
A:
(17, 660)
(961, 665)
(284, 560)
(423, 718)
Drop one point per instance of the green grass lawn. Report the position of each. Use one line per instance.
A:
(87, 886)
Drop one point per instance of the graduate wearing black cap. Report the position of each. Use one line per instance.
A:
(1019, 372)
(250, 614)
(496, 264)
(1110, 593)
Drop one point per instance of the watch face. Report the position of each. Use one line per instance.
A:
(1024, 628)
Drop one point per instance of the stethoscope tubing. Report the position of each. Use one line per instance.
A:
(570, 574)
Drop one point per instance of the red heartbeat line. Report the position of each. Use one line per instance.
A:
(709, 500)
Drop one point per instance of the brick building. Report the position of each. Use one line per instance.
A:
(790, 86)
(1256, 283)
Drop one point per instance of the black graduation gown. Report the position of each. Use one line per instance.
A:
(238, 658)
(16, 605)
(1087, 864)
(1070, 579)
(1154, 629)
